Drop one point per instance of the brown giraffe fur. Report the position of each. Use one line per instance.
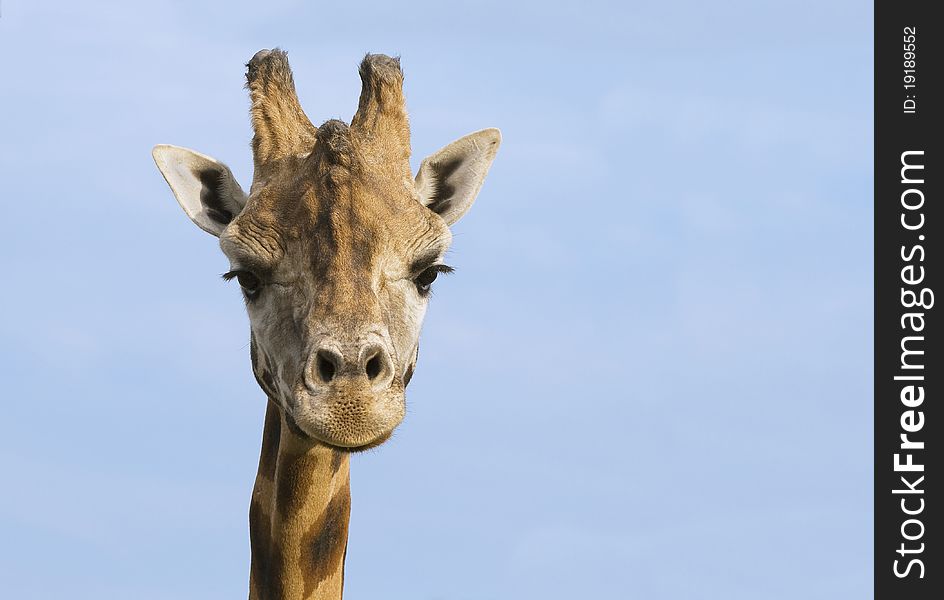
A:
(334, 248)
(298, 517)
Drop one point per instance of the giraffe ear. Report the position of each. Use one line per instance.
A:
(204, 187)
(449, 180)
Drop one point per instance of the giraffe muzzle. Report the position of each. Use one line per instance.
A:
(350, 396)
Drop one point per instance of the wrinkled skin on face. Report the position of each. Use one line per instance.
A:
(335, 247)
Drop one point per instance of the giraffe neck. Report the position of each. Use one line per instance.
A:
(298, 518)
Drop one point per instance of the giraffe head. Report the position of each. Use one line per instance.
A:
(335, 246)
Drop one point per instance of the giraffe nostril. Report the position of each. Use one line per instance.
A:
(377, 366)
(326, 366)
(373, 366)
(330, 367)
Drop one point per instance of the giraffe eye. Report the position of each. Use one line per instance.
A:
(247, 281)
(425, 279)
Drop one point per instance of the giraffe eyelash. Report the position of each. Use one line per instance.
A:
(427, 276)
(249, 282)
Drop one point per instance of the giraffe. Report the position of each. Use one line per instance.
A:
(335, 248)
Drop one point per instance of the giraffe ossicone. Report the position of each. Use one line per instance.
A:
(335, 248)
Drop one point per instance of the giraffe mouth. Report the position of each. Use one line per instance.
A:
(348, 417)
(298, 431)
(364, 448)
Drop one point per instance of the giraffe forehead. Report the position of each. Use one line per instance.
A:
(347, 225)
(345, 189)
(364, 219)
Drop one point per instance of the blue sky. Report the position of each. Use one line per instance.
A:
(649, 378)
